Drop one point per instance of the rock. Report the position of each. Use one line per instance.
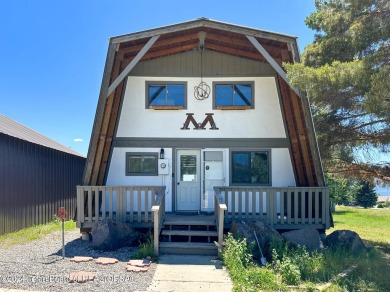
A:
(106, 261)
(308, 237)
(265, 234)
(345, 239)
(139, 263)
(110, 235)
(136, 269)
(78, 259)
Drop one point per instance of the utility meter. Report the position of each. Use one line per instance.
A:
(163, 166)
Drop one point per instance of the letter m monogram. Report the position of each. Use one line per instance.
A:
(199, 126)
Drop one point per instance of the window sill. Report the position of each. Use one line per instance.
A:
(166, 107)
(233, 107)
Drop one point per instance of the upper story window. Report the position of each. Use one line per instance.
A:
(233, 95)
(250, 168)
(166, 95)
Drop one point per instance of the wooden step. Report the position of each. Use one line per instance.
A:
(189, 232)
(199, 248)
(189, 222)
(199, 220)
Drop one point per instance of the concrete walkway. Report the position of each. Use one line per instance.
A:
(190, 273)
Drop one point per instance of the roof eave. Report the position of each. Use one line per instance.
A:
(204, 22)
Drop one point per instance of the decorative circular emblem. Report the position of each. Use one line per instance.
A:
(202, 91)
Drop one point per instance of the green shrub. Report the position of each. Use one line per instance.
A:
(257, 279)
(246, 275)
(384, 204)
(290, 272)
(236, 255)
(296, 264)
(145, 249)
(309, 264)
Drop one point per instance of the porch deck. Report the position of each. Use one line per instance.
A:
(144, 206)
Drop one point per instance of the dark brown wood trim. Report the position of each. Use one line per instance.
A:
(235, 52)
(204, 23)
(292, 133)
(114, 117)
(158, 54)
(99, 115)
(161, 42)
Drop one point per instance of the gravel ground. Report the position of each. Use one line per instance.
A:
(38, 265)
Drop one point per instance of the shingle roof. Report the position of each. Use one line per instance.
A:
(15, 129)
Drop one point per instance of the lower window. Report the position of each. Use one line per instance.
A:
(250, 167)
(142, 164)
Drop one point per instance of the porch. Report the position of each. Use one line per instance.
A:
(144, 206)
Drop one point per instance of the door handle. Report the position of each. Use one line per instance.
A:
(178, 183)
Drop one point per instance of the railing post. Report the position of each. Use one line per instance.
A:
(158, 210)
(156, 228)
(268, 207)
(89, 204)
(221, 215)
(219, 209)
(80, 206)
(327, 209)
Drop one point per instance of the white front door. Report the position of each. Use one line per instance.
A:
(213, 169)
(188, 180)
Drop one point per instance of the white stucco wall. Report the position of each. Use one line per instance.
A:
(282, 171)
(264, 121)
(117, 173)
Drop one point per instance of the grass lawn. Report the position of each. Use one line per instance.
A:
(290, 266)
(372, 225)
(33, 233)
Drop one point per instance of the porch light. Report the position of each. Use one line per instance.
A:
(162, 154)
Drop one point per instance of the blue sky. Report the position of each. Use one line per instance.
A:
(52, 53)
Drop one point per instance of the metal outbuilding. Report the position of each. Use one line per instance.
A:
(37, 176)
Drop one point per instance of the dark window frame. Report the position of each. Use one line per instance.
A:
(129, 154)
(248, 151)
(166, 107)
(233, 107)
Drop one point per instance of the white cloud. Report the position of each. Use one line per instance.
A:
(78, 140)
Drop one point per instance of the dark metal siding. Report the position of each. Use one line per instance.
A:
(34, 182)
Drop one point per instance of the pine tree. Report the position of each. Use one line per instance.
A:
(366, 196)
(346, 73)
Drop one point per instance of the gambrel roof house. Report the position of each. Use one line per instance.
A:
(199, 118)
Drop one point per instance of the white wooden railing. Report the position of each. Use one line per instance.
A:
(122, 203)
(282, 208)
